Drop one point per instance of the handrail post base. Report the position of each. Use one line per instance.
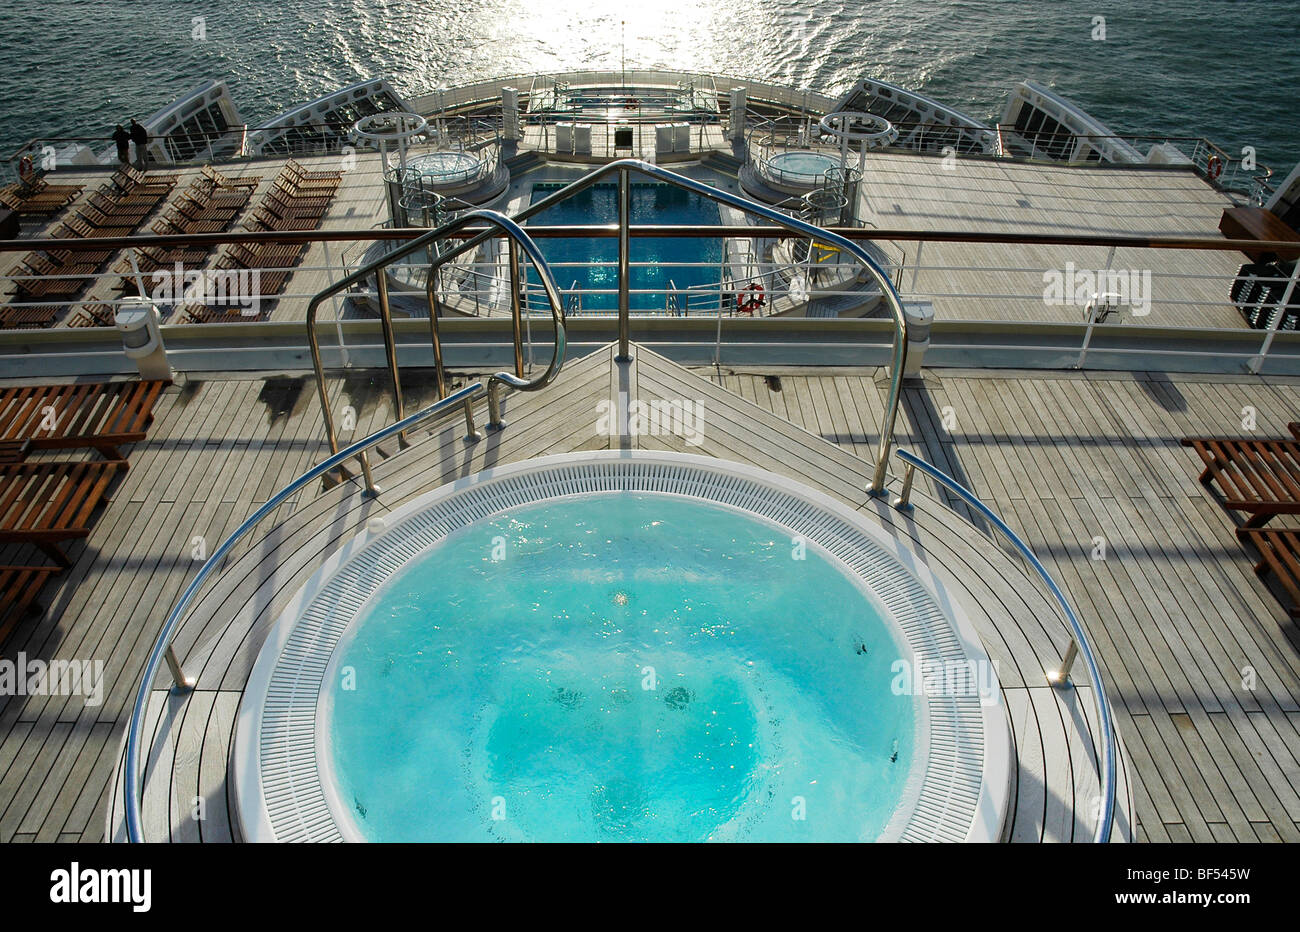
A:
(1060, 678)
(182, 682)
(494, 407)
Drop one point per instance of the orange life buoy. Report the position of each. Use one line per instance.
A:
(26, 168)
(1214, 168)
(750, 299)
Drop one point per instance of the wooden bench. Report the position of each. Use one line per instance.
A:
(19, 586)
(1258, 477)
(45, 504)
(101, 415)
(1279, 552)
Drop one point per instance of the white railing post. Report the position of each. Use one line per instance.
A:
(1257, 362)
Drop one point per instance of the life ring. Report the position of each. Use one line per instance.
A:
(750, 299)
(26, 168)
(1214, 168)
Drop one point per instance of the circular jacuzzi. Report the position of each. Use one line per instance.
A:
(622, 646)
(799, 168)
(445, 169)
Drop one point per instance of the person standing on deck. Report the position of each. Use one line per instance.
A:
(141, 139)
(122, 139)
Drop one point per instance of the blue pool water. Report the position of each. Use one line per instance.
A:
(651, 203)
(636, 668)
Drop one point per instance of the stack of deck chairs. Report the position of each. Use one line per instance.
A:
(116, 209)
(45, 502)
(296, 201)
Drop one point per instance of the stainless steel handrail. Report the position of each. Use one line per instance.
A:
(1078, 637)
(516, 235)
(163, 649)
(623, 167)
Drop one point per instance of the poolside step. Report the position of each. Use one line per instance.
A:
(722, 161)
(518, 164)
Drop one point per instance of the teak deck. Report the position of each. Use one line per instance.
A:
(1200, 658)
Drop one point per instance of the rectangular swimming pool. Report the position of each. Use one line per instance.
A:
(652, 203)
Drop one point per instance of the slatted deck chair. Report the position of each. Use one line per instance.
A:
(83, 229)
(100, 220)
(46, 200)
(127, 179)
(295, 169)
(40, 264)
(203, 314)
(269, 282)
(1258, 477)
(19, 587)
(298, 198)
(94, 314)
(265, 220)
(1279, 554)
(46, 504)
(96, 256)
(102, 415)
(203, 209)
(226, 181)
(135, 207)
(219, 198)
(28, 318)
(1294, 427)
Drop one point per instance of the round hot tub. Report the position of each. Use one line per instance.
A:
(622, 646)
(445, 169)
(799, 169)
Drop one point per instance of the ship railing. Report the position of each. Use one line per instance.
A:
(1242, 173)
(1002, 293)
(522, 247)
(705, 132)
(1105, 748)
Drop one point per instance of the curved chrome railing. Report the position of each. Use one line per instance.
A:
(518, 240)
(624, 167)
(163, 650)
(1078, 638)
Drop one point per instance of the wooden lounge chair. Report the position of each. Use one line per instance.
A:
(29, 318)
(121, 226)
(264, 220)
(288, 205)
(102, 415)
(203, 314)
(1279, 552)
(127, 179)
(1294, 427)
(1258, 477)
(48, 503)
(19, 586)
(226, 181)
(94, 314)
(295, 170)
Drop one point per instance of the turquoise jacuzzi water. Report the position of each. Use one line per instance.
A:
(630, 667)
(651, 203)
(804, 168)
(445, 167)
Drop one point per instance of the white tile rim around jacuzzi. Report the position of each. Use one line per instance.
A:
(959, 789)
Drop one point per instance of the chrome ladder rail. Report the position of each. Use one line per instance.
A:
(1079, 643)
(519, 240)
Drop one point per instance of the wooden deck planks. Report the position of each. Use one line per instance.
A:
(1174, 609)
